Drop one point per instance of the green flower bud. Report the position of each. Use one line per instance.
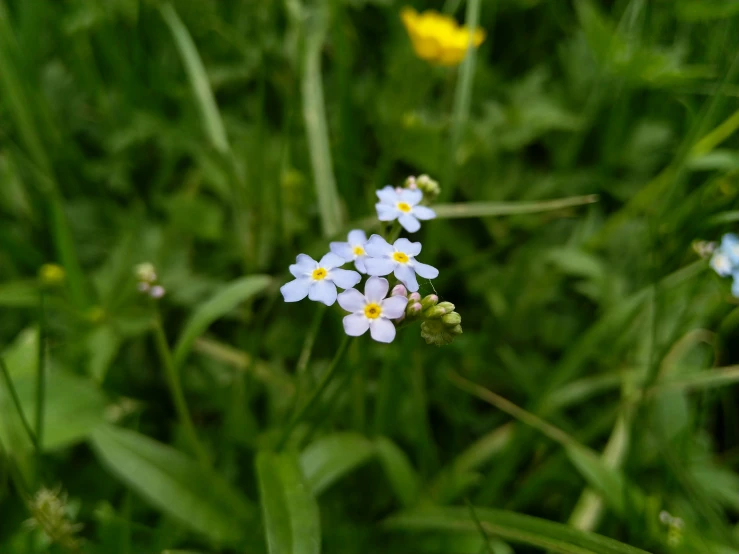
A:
(456, 330)
(413, 309)
(429, 187)
(435, 332)
(49, 512)
(451, 319)
(429, 301)
(435, 312)
(51, 275)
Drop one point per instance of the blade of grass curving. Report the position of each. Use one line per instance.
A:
(316, 126)
(289, 509)
(509, 526)
(214, 127)
(17, 403)
(489, 209)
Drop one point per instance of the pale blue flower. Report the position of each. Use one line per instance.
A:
(352, 251)
(725, 259)
(398, 258)
(318, 280)
(402, 204)
(372, 310)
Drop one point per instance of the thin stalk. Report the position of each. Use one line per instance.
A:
(41, 373)
(308, 406)
(17, 402)
(178, 397)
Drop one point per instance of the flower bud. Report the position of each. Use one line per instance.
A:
(399, 290)
(451, 319)
(456, 330)
(429, 301)
(145, 272)
(51, 275)
(435, 332)
(50, 513)
(435, 312)
(413, 309)
(414, 297)
(157, 292)
(429, 187)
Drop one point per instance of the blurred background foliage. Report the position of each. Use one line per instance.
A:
(593, 385)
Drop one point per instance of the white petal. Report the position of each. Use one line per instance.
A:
(379, 266)
(394, 306)
(352, 300)
(342, 249)
(382, 330)
(357, 237)
(409, 223)
(376, 289)
(387, 213)
(330, 261)
(387, 195)
(304, 266)
(323, 291)
(296, 290)
(407, 247)
(407, 276)
(359, 264)
(423, 213)
(355, 325)
(377, 246)
(424, 270)
(411, 196)
(344, 278)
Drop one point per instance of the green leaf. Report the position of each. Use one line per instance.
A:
(489, 209)
(175, 484)
(220, 304)
(510, 526)
(21, 294)
(290, 511)
(329, 458)
(403, 478)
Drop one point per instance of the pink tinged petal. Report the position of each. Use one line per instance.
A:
(410, 196)
(323, 291)
(409, 223)
(382, 330)
(379, 266)
(355, 325)
(408, 277)
(387, 195)
(357, 237)
(342, 249)
(394, 306)
(377, 247)
(352, 300)
(423, 213)
(344, 278)
(387, 213)
(424, 270)
(296, 290)
(330, 261)
(359, 264)
(376, 289)
(407, 247)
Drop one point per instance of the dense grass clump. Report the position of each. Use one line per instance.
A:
(162, 163)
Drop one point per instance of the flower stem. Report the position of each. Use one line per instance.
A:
(178, 397)
(41, 372)
(325, 380)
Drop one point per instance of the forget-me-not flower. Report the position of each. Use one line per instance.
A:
(402, 205)
(372, 310)
(725, 259)
(318, 280)
(398, 258)
(352, 251)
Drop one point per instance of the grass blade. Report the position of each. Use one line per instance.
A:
(489, 209)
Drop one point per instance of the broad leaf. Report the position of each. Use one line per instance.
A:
(329, 458)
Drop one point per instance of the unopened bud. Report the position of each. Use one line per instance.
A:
(439, 310)
(456, 330)
(435, 332)
(157, 292)
(51, 275)
(430, 300)
(413, 309)
(414, 297)
(429, 187)
(399, 290)
(145, 272)
(451, 319)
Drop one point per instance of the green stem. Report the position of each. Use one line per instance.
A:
(178, 397)
(41, 372)
(17, 402)
(325, 380)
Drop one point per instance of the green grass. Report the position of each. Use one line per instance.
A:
(581, 151)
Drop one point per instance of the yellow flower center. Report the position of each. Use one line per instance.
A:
(372, 311)
(319, 274)
(400, 257)
(404, 207)
(358, 251)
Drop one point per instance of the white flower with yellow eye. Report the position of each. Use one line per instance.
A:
(402, 205)
(318, 280)
(352, 251)
(398, 258)
(372, 310)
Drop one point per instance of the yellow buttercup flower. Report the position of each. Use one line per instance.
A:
(438, 38)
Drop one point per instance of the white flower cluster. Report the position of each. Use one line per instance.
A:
(376, 257)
